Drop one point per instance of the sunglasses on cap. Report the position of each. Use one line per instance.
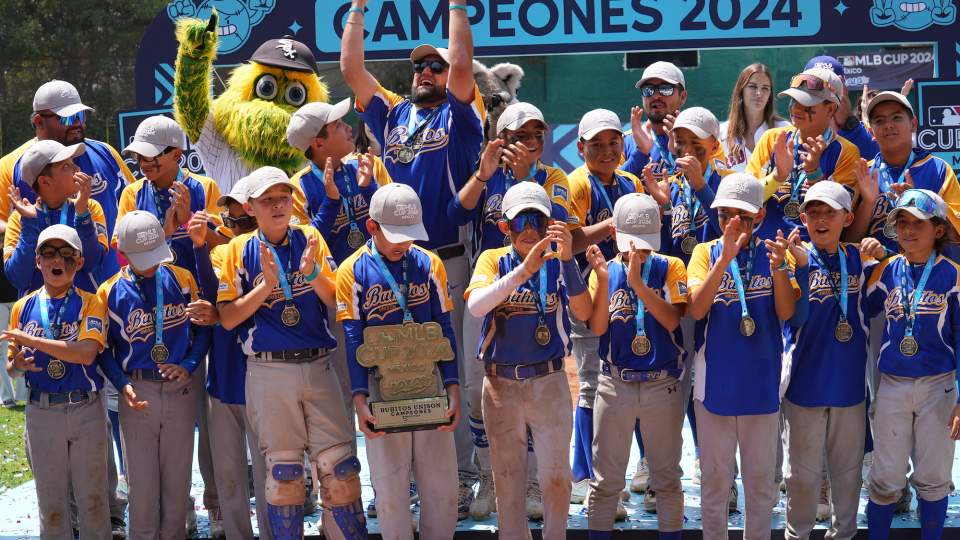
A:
(66, 253)
(812, 82)
(534, 220)
(914, 198)
(238, 222)
(80, 117)
(435, 66)
(664, 90)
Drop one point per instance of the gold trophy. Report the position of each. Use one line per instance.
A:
(405, 356)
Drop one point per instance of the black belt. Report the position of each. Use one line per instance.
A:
(148, 375)
(636, 375)
(449, 252)
(292, 356)
(519, 372)
(60, 398)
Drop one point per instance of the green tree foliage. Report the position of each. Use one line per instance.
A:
(91, 43)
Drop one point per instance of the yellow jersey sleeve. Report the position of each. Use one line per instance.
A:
(124, 170)
(347, 308)
(579, 198)
(485, 272)
(759, 160)
(12, 237)
(675, 286)
(99, 222)
(843, 172)
(388, 97)
(229, 288)
(299, 199)
(380, 174)
(93, 319)
(438, 273)
(950, 192)
(699, 265)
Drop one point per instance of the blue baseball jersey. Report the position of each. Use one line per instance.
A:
(836, 162)
(676, 222)
(312, 206)
(130, 300)
(633, 160)
(505, 334)
(928, 172)
(265, 331)
(226, 363)
(451, 136)
(109, 174)
(365, 298)
(83, 319)
(738, 375)
(812, 355)
(589, 206)
(668, 278)
(937, 325)
(861, 138)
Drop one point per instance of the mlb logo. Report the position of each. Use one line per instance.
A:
(944, 115)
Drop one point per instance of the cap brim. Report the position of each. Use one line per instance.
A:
(879, 100)
(404, 233)
(264, 189)
(224, 199)
(519, 122)
(640, 241)
(735, 203)
(829, 202)
(591, 133)
(339, 110)
(696, 130)
(145, 149)
(912, 210)
(72, 109)
(804, 98)
(148, 259)
(75, 245)
(665, 79)
(513, 212)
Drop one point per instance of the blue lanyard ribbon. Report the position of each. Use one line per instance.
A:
(798, 176)
(841, 294)
(906, 283)
(598, 186)
(885, 180)
(346, 198)
(665, 155)
(414, 128)
(692, 202)
(45, 314)
(282, 275)
(738, 279)
(512, 180)
(399, 294)
(639, 317)
(541, 296)
(156, 197)
(47, 212)
(158, 307)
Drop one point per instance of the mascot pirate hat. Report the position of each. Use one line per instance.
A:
(286, 53)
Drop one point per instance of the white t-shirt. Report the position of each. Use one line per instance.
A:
(737, 160)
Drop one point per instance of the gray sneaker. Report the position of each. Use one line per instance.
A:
(464, 500)
(641, 477)
(650, 501)
(734, 493)
(534, 501)
(485, 503)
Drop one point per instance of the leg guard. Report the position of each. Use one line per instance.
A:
(350, 520)
(285, 484)
(879, 519)
(339, 472)
(286, 522)
(583, 444)
(932, 516)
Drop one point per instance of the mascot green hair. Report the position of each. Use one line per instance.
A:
(245, 127)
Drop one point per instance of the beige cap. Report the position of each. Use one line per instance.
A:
(665, 71)
(310, 119)
(886, 96)
(598, 120)
(833, 88)
(518, 114)
(739, 190)
(397, 209)
(424, 50)
(525, 196)
(700, 121)
(636, 217)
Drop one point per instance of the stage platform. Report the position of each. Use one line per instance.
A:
(18, 511)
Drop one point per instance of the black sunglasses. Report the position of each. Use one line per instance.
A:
(664, 90)
(436, 66)
(66, 253)
(240, 222)
(144, 159)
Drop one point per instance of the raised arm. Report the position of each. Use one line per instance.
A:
(361, 82)
(460, 83)
(191, 89)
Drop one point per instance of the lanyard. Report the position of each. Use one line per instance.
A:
(158, 307)
(346, 198)
(47, 211)
(598, 186)
(284, 276)
(885, 180)
(693, 203)
(906, 280)
(414, 128)
(540, 298)
(398, 293)
(738, 280)
(841, 294)
(512, 180)
(796, 179)
(156, 196)
(45, 313)
(638, 316)
(665, 154)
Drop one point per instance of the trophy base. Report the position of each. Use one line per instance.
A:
(410, 414)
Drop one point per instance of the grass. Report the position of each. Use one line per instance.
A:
(13, 457)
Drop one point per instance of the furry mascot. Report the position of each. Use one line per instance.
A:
(245, 127)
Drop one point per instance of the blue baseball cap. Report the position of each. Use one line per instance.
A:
(826, 62)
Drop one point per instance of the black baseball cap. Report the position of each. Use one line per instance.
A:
(286, 53)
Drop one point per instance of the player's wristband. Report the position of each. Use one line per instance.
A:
(84, 215)
(572, 278)
(354, 10)
(782, 268)
(313, 275)
(817, 174)
(458, 6)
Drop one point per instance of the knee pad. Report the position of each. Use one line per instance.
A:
(285, 484)
(286, 522)
(339, 476)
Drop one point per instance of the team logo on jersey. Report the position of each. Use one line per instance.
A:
(601, 215)
(820, 285)
(622, 307)
(379, 302)
(432, 139)
(68, 331)
(931, 303)
(298, 285)
(680, 224)
(139, 326)
(759, 287)
(94, 325)
(358, 207)
(97, 184)
(524, 302)
(492, 209)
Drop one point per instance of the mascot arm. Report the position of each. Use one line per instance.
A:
(191, 88)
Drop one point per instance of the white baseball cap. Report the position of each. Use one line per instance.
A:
(801, 92)
(598, 120)
(920, 203)
(42, 153)
(739, 190)
(525, 196)
(240, 192)
(886, 96)
(58, 231)
(154, 135)
(307, 122)
(60, 97)
(830, 193)
(636, 217)
(264, 178)
(423, 50)
(140, 237)
(396, 208)
(700, 121)
(665, 71)
(518, 114)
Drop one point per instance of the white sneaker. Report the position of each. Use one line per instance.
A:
(641, 477)
(485, 503)
(578, 493)
(534, 501)
(824, 510)
(696, 472)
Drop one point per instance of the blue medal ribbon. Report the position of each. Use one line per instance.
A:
(45, 313)
(596, 185)
(414, 128)
(345, 199)
(47, 212)
(884, 180)
(665, 155)
(797, 175)
(692, 202)
(158, 310)
(282, 275)
(841, 294)
(399, 294)
(540, 298)
(638, 316)
(738, 280)
(907, 284)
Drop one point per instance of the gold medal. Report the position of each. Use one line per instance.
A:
(909, 346)
(405, 155)
(792, 209)
(542, 335)
(355, 238)
(748, 326)
(890, 230)
(159, 353)
(688, 243)
(290, 315)
(843, 332)
(640, 345)
(56, 369)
